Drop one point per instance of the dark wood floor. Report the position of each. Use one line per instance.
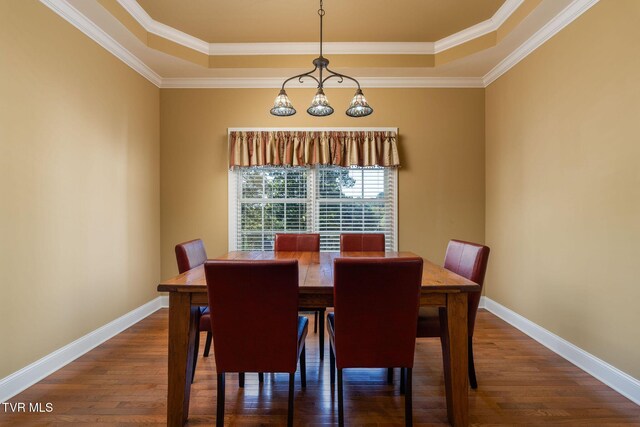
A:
(124, 381)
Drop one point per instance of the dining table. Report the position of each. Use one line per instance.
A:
(440, 288)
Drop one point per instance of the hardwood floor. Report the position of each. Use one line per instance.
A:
(124, 381)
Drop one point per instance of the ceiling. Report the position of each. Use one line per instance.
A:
(251, 21)
(259, 43)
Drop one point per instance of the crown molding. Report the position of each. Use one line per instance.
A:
(78, 20)
(564, 18)
(276, 82)
(480, 29)
(334, 48)
(162, 30)
(331, 48)
(555, 25)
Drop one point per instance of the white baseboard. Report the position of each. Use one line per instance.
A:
(621, 382)
(31, 374)
(164, 301)
(482, 302)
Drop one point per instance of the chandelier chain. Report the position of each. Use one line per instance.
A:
(321, 13)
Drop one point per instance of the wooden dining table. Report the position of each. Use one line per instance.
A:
(440, 288)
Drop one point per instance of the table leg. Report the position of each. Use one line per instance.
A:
(453, 322)
(321, 315)
(182, 336)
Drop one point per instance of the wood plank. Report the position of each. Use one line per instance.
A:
(316, 271)
(124, 381)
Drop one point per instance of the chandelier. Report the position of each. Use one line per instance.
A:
(320, 104)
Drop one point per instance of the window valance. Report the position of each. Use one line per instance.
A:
(307, 148)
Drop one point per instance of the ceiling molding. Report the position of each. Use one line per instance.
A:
(78, 20)
(334, 48)
(90, 29)
(276, 82)
(561, 20)
(480, 29)
(330, 48)
(162, 30)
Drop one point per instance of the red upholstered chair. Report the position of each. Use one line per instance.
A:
(373, 326)
(365, 242)
(190, 255)
(308, 242)
(255, 322)
(470, 261)
(362, 242)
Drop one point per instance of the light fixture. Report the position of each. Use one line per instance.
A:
(320, 104)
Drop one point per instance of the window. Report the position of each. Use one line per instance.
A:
(325, 199)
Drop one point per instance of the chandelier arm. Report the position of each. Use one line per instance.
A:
(301, 76)
(320, 106)
(340, 76)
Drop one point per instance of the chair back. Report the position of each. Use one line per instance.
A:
(254, 314)
(362, 242)
(308, 242)
(468, 260)
(190, 255)
(376, 311)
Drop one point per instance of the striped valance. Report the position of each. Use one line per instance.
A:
(306, 148)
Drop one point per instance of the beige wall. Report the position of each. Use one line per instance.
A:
(563, 184)
(79, 185)
(441, 182)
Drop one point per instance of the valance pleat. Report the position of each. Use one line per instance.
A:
(307, 148)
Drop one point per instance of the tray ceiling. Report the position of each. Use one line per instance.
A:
(250, 21)
(242, 43)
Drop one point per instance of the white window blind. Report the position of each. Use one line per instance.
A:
(325, 199)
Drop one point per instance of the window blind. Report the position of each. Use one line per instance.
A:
(328, 200)
(270, 201)
(354, 200)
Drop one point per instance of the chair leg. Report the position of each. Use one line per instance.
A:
(261, 377)
(340, 400)
(321, 336)
(290, 410)
(196, 348)
(390, 376)
(402, 378)
(408, 401)
(303, 367)
(241, 379)
(207, 344)
(472, 369)
(332, 364)
(220, 404)
(315, 321)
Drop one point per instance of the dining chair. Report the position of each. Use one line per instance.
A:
(190, 255)
(374, 320)
(304, 242)
(470, 261)
(255, 322)
(362, 242)
(365, 242)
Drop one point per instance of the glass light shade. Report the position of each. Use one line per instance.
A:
(359, 106)
(282, 105)
(320, 105)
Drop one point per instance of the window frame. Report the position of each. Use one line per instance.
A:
(232, 199)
